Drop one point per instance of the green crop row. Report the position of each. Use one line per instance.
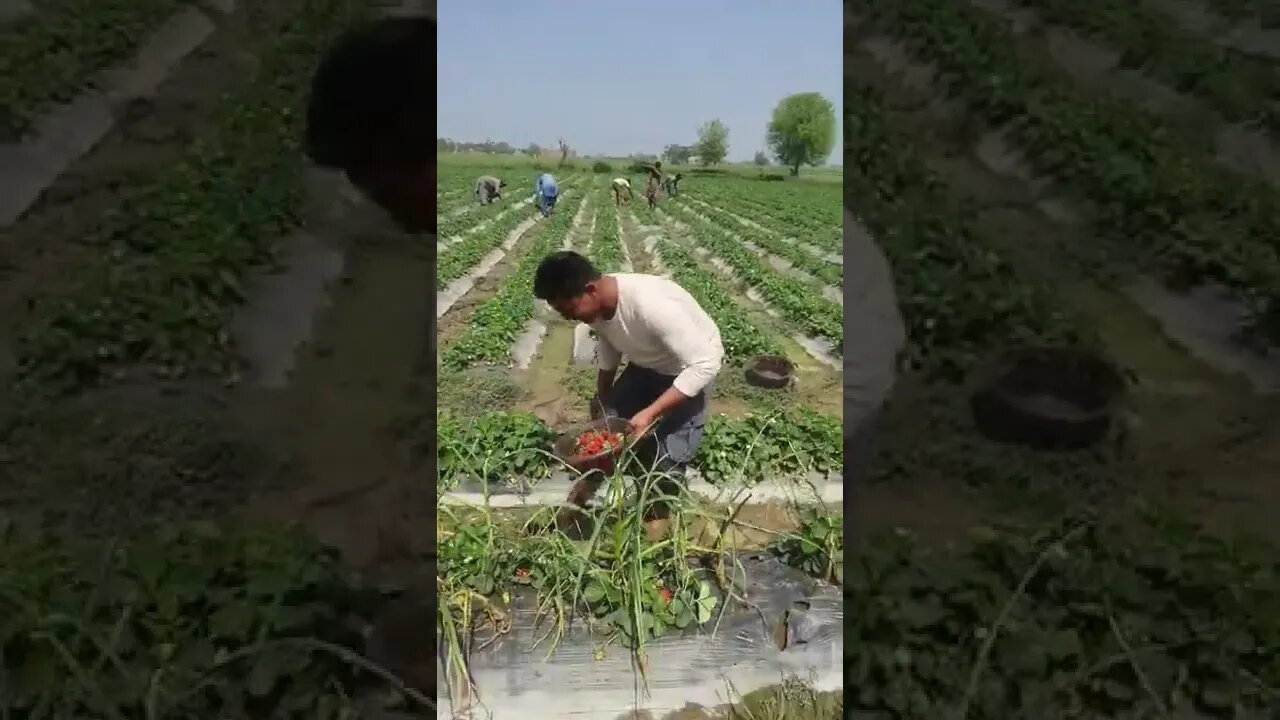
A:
(1089, 620)
(183, 242)
(501, 445)
(797, 302)
(186, 621)
(606, 244)
(829, 273)
(458, 259)
(1198, 220)
(498, 321)
(959, 298)
(742, 339)
(812, 214)
(54, 51)
(1241, 87)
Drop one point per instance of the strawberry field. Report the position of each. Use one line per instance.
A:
(513, 376)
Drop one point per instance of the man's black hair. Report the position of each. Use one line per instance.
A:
(563, 275)
(372, 98)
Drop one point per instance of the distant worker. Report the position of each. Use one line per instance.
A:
(622, 185)
(670, 184)
(488, 189)
(545, 192)
(654, 174)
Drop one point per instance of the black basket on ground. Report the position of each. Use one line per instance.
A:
(1047, 398)
(770, 371)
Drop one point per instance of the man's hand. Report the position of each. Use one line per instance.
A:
(641, 422)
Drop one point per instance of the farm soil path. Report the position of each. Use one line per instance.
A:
(542, 385)
(1200, 438)
(348, 478)
(50, 246)
(632, 236)
(455, 320)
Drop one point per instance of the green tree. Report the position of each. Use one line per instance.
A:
(760, 159)
(802, 130)
(713, 143)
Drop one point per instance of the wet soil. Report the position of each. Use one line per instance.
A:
(349, 479)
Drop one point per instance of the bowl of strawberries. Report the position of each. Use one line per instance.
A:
(593, 446)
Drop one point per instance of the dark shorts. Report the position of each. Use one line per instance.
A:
(676, 439)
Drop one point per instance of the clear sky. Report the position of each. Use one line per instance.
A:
(615, 77)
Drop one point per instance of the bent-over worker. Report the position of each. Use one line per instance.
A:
(673, 353)
(545, 192)
(671, 184)
(488, 189)
(621, 186)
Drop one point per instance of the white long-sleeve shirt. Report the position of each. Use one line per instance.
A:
(873, 327)
(658, 325)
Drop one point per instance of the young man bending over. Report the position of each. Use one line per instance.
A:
(672, 347)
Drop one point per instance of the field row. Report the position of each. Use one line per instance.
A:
(1144, 187)
(54, 51)
(186, 238)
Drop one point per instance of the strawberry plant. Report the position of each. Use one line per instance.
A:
(459, 258)
(186, 621)
(806, 211)
(495, 447)
(500, 446)
(816, 547)
(606, 245)
(780, 445)
(1091, 621)
(1239, 86)
(827, 272)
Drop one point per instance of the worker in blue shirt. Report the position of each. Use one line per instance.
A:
(545, 192)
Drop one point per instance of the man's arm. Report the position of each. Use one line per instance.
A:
(700, 356)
